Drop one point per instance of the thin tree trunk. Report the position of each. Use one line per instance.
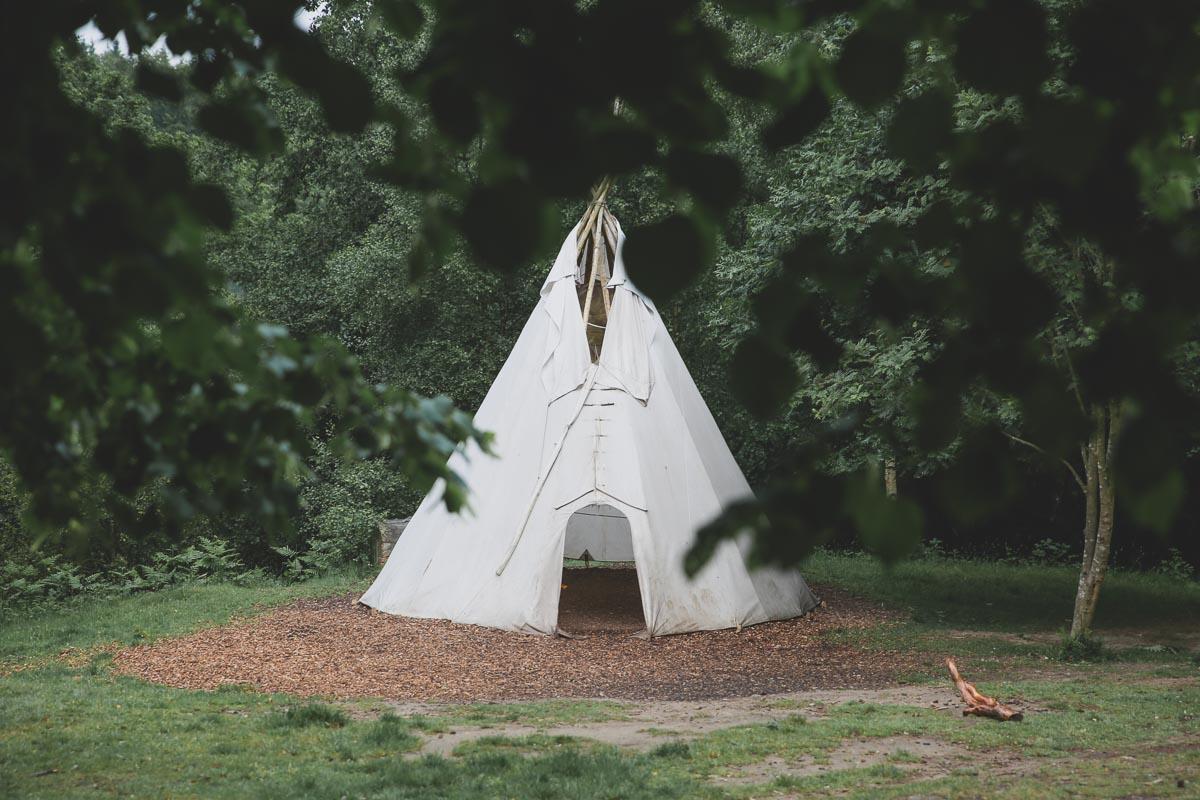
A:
(1091, 500)
(1100, 500)
(890, 481)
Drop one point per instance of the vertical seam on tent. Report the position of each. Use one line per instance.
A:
(596, 453)
(512, 548)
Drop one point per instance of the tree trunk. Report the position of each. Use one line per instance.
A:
(890, 481)
(1100, 502)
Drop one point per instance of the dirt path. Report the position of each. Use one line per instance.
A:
(648, 724)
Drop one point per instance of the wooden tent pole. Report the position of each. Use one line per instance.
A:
(597, 254)
(610, 227)
(600, 259)
(597, 215)
(589, 216)
(606, 268)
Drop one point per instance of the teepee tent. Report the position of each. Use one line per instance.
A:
(602, 445)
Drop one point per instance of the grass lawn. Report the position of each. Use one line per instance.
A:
(1127, 726)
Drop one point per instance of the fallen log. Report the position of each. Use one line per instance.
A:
(980, 705)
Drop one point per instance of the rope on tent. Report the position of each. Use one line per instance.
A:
(541, 484)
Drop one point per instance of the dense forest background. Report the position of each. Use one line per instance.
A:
(320, 246)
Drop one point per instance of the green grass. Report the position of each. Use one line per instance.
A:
(1079, 722)
(1120, 727)
(317, 714)
(1074, 715)
(69, 733)
(541, 713)
(145, 617)
(1000, 597)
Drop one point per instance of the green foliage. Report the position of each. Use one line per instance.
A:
(343, 504)
(392, 732)
(938, 227)
(320, 557)
(1175, 566)
(37, 580)
(932, 549)
(311, 715)
(44, 579)
(933, 300)
(672, 750)
(1086, 647)
(1050, 553)
(136, 374)
(976, 593)
(209, 559)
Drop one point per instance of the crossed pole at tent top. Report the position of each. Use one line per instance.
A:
(598, 227)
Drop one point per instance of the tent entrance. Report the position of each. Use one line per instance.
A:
(599, 592)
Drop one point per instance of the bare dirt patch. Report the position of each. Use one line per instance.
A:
(648, 724)
(333, 647)
(917, 757)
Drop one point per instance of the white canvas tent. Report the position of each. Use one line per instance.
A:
(619, 457)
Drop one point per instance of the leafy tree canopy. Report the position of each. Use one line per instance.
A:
(1016, 131)
(127, 370)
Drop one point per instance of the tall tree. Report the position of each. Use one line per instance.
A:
(525, 89)
(134, 373)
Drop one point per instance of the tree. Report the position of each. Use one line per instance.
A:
(1080, 274)
(134, 373)
(1128, 192)
(1103, 94)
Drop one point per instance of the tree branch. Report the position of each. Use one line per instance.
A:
(1116, 417)
(1066, 356)
(1065, 463)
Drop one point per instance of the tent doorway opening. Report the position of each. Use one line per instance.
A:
(599, 591)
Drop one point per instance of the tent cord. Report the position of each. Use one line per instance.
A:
(587, 389)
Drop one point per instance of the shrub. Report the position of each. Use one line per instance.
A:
(932, 550)
(1087, 647)
(341, 509)
(1051, 553)
(321, 556)
(38, 579)
(209, 558)
(33, 579)
(1175, 566)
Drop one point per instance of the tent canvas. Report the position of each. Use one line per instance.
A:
(626, 440)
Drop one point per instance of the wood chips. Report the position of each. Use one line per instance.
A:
(335, 648)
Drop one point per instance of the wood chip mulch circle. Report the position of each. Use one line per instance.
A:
(333, 647)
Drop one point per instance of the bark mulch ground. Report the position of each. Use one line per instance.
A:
(333, 647)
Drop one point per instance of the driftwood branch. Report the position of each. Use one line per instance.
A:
(980, 705)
